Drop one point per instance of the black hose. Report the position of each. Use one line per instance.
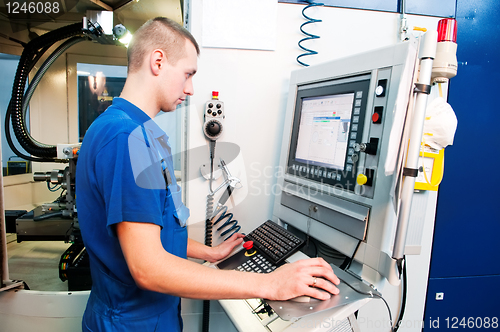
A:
(403, 300)
(48, 216)
(31, 53)
(208, 235)
(38, 77)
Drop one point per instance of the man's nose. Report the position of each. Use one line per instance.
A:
(188, 88)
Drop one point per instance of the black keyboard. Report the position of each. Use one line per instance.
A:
(257, 264)
(274, 242)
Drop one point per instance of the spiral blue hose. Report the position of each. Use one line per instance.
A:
(310, 36)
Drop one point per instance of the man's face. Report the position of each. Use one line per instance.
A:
(178, 80)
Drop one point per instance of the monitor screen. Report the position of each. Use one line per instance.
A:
(324, 130)
(328, 121)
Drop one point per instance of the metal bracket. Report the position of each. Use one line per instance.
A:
(413, 172)
(422, 88)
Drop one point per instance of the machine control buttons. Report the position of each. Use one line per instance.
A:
(250, 251)
(368, 148)
(210, 105)
(377, 114)
(367, 178)
(219, 106)
(381, 88)
(361, 179)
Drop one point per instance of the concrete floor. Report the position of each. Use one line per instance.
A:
(37, 263)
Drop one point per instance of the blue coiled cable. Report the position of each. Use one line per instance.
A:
(310, 36)
(230, 225)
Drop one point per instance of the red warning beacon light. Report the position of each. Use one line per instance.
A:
(447, 30)
(445, 63)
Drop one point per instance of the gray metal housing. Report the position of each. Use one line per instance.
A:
(341, 218)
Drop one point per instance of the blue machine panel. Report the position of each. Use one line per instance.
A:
(466, 249)
(382, 5)
(442, 8)
(467, 220)
(468, 303)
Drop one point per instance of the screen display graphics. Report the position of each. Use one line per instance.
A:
(328, 121)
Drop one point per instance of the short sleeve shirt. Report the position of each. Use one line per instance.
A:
(123, 171)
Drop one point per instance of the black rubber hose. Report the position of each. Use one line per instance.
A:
(38, 77)
(30, 53)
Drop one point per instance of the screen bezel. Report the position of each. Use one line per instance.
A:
(345, 178)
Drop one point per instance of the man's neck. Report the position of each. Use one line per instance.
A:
(141, 95)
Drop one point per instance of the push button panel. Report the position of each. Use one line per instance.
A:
(371, 145)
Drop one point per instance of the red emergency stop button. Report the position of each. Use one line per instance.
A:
(249, 249)
(248, 245)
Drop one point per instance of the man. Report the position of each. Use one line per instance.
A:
(131, 217)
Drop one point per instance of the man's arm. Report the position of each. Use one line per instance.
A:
(198, 250)
(155, 269)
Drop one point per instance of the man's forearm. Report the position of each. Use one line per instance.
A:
(198, 250)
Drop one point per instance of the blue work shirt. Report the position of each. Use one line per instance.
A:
(122, 170)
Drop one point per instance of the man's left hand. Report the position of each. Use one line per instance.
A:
(225, 248)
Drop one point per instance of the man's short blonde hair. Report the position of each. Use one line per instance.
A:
(159, 33)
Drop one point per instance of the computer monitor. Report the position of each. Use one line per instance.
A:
(341, 153)
(327, 120)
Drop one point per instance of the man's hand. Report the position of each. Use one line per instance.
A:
(213, 254)
(311, 277)
(225, 248)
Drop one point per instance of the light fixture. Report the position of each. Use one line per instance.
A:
(122, 34)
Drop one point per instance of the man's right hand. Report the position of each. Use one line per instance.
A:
(310, 277)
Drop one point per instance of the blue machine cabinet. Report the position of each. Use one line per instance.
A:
(465, 270)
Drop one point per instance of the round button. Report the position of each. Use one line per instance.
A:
(213, 128)
(375, 117)
(209, 111)
(219, 106)
(210, 105)
(219, 112)
(361, 179)
(379, 90)
(248, 245)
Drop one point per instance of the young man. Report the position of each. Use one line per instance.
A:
(130, 213)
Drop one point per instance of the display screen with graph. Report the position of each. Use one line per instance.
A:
(328, 122)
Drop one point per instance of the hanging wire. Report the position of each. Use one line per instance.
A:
(310, 36)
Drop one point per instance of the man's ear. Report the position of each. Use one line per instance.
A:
(157, 61)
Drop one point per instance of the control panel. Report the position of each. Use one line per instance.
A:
(214, 116)
(369, 149)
